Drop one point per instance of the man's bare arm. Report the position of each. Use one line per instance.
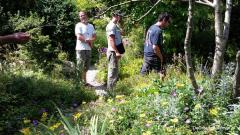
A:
(157, 51)
(19, 37)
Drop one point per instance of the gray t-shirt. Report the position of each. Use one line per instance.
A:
(112, 29)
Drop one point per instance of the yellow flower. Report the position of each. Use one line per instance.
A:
(100, 98)
(147, 133)
(26, 121)
(119, 96)
(213, 111)
(142, 115)
(174, 120)
(168, 129)
(197, 106)
(111, 121)
(149, 122)
(156, 93)
(120, 117)
(83, 102)
(109, 100)
(179, 85)
(77, 116)
(44, 116)
(53, 127)
(25, 131)
(211, 130)
(164, 103)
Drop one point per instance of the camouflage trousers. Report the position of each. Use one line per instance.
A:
(112, 70)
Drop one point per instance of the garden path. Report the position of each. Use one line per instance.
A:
(91, 79)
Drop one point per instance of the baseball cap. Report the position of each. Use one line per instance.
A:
(117, 13)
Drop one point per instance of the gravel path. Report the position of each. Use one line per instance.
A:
(91, 79)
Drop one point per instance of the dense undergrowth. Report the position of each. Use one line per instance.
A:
(139, 105)
(27, 95)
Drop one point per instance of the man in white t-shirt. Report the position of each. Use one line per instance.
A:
(85, 34)
(114, 38)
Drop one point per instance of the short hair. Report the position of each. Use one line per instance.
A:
(86, 13)
(163, 16)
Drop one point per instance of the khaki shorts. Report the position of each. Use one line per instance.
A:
(83, 58)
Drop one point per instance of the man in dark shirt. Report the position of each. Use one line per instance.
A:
(153, 46)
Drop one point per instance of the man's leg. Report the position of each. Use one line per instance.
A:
(87, 63)
(82, 64)
(79, 66)
(112, 70)
(146, 66)
(158, 68)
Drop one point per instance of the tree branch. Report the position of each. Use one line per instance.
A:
(123, 3)
(205, 2)
(148, 11)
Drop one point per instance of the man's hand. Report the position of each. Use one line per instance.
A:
(118, 55)
(21, 37)
(157, 51)
(89, 42)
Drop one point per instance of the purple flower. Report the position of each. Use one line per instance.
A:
(102, 50)
(75, 105)
(114, 109)
(35, 123)
(174, 93)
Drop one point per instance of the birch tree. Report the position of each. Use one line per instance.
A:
(221, 32)
(236, 77)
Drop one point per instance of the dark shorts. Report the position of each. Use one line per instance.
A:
(151, 63)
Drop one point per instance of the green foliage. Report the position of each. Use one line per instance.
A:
(98, 44)
(60, 18)
(87, 4)
(39, 48)
(24, 94)
(102, 67)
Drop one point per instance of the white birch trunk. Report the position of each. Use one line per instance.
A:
(221, 35)
(236, 77)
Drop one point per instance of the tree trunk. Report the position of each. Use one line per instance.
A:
(187, 48)
(221, 35)
(236, 77)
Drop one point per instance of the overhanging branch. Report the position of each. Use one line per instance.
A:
(148, 11)
(123, 3)
(205, 2)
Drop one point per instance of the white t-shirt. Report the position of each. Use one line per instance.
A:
(87, 31)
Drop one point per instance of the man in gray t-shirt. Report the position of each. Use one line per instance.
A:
(113, 33)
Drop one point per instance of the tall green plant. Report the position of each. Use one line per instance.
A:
(38, 50)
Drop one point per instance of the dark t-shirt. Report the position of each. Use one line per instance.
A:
(153, 37)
